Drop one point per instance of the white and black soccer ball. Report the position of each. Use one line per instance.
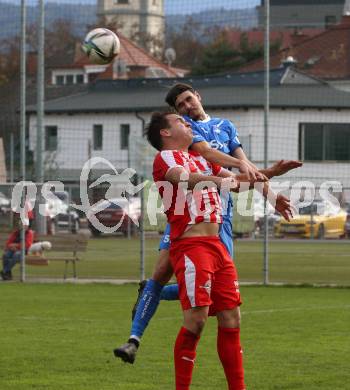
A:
(101, 46)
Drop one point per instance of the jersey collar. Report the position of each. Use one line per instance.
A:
(207, 119)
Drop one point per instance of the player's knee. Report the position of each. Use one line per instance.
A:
(195, 320)
(196, 326)
(163, 270)
(229, 318)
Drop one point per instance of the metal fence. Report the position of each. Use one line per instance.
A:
(283, 82)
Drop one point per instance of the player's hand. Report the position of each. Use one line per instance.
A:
(283, 166)
(252, 173)
(284, 207)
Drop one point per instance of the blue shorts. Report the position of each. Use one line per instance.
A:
(165, 240)
(225, 232)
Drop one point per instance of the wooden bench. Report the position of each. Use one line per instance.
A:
(65, 247)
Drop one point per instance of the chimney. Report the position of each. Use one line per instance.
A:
(345, 20)
(289, 61)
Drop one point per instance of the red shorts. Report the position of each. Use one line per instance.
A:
(205, 274)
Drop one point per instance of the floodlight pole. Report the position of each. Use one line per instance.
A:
(39, 169)
(23, 125)
(266, 132)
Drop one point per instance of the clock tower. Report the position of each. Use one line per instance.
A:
(138, 20)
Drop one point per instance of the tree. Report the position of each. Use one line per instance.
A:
(59, 50)
(188, 43)
(220, 55)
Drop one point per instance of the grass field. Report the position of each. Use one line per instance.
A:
(61, 336)
(304, 261)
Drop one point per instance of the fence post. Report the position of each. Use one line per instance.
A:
(23, 126)
(266, 132)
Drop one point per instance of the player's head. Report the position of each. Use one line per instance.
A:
(167, 130)
(186, 101)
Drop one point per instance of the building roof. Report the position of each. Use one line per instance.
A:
(326, 55)
(222, 92)
(287, 37)
(302, 2)
(132, 56)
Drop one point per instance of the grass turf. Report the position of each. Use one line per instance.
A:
(62, 336)
(304, 261)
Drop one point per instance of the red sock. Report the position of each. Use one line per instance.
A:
(184, 356)
(230, 353)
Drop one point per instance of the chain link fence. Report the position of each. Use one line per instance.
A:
(95, 116)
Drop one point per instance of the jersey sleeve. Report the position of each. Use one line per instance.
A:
(164, 161)
(234, 140)
(216, 169)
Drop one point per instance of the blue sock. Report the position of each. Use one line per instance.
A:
(170, 293)
(146, 308)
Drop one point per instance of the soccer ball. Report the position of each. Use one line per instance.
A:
(101, 46)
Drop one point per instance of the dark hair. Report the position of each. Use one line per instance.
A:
(175, 91)
(158, 122)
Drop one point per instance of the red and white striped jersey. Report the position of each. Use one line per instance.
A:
(185, 207)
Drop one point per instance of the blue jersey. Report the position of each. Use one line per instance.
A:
(221, 134)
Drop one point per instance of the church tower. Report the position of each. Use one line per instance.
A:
(136, 19)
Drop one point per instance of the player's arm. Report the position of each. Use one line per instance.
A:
(177, 175)
(278, 201)
(216, 157)
(279, 168)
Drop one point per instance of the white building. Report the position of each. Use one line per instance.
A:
(308, 120)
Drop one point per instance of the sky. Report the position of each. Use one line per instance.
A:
(171, 6)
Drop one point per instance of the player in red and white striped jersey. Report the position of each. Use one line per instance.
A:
(206, 275)
(203, 205)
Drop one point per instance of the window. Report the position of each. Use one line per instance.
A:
(329, 20)
(98, 137)
(59, 80)
(50, 138)
(121, 1)
(124, 136)
(69, 79)
(80, 79)
(324, 142)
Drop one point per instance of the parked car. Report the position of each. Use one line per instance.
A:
(65, 217)
(319, 220)
(115, 210)
(59, 214)
(5, 203)
(273, 217)
(347, 223)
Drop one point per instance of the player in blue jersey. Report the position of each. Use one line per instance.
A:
(217, 141)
